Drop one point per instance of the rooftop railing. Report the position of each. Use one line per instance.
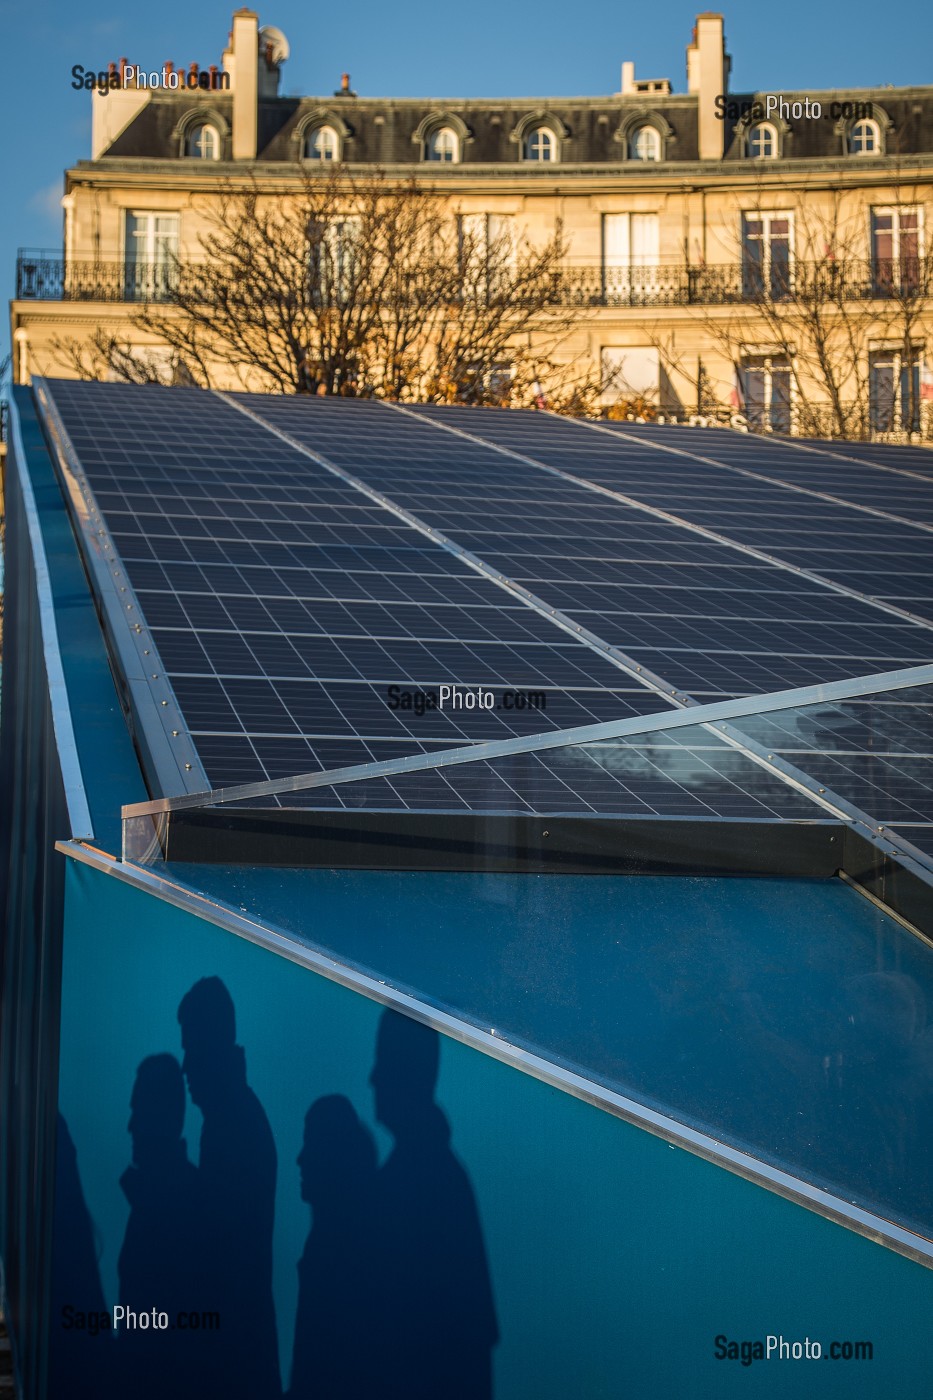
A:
(43, 276)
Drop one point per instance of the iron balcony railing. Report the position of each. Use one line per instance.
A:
(42, 276)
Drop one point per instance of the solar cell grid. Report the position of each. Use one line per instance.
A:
(283, 601)
(260, 647)
(616, 535)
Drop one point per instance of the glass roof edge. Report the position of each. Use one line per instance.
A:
(173, 761)
(713, 713)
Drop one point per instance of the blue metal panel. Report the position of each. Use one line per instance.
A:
(614, 1260)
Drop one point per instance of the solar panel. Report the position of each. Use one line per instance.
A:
(293, 587)
(597, 545)
(284, 606)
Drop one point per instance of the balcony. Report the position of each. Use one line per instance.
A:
(46, 276)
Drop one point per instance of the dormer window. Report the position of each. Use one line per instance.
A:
(864, 138)
(541, 144)
(322, 143)
(442, 144)
(762, 142)
(646, 144)
(204, 142)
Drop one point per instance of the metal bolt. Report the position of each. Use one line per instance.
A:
(174, 733)
(164, 702)
(188, 766)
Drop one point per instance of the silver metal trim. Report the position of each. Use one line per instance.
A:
(79, 813)
(152, 698)
(715, 713)
(860, 1221)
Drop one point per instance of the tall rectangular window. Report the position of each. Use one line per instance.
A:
(630, 373)
(894, 391)
(766, 384)
(896, 251)
(631, 255)
(766, 256)
(487, 252)
(150, 261)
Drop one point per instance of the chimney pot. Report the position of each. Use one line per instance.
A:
(345, 82)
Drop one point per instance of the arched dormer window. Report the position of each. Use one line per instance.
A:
(643, 135)
(441, 136)
(646, 144)
(863, 129)
(442, 144)
(761, 143)
(203, 142)
(202, 134)
(865, 138)
(540, 144)
(320, 136)
(539, 137)
(322, 143)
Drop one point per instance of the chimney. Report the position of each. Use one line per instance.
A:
(708, 76)
(628, 78)
(244, 70)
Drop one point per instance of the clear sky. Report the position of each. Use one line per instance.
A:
(479, 48)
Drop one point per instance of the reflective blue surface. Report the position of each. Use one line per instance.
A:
(790, 1017)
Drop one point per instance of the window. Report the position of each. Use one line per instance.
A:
(864, 139)
(322, 144)
(487, 252)
(895, 249)
(442, 145)
(646, 144)
(203, 142)
(629, 372)
(630, 258)
(762, 142)
(541, 144)
(150, 262)
(766, 256)
(894, 391)
(334, 259)
(766, 382)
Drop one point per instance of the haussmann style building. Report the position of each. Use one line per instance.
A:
(707, 229)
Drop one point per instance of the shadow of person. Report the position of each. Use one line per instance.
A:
(236, 1170)
(161, 1262)
(333, 1356)
(435, 1315)
(80, 1354)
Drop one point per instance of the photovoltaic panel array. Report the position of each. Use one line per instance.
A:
(696, 606)
(864, 525)
(285, 600)
(284, 604)
(624, 572)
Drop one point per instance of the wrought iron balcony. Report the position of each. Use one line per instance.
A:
(43, 276)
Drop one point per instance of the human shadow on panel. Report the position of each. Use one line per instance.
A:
(162, 1264)
(437, 1320)
(395, 1299)
(236, 1173)
(334, 1357)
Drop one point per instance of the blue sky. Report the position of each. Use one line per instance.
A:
(482, 48)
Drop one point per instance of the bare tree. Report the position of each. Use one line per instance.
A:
(357, 285)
